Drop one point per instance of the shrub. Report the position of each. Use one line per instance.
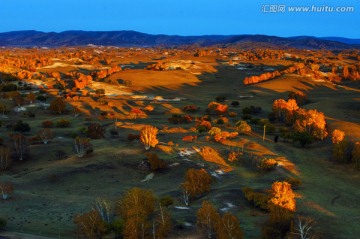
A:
(235, 103)
(100, 91)
(257, 199)
(95, 131)
(243, 127)
(114, 132)
(155, 162)
(179, 119)
(62, 123)
(47, 124)
(189, 138)
(191, 108)
(267, 164)
(21, 127)
(166, 201)
(3, 223)
(41, 98)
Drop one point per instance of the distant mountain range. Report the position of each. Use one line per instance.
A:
(132, 38)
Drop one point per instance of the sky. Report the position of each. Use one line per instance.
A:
(184, 17)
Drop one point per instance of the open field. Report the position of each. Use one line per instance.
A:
(49, 191)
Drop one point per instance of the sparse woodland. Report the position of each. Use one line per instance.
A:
(227, 143)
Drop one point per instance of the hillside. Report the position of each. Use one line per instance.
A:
(132, 38)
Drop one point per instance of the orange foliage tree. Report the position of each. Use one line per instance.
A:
(210, 221)
(207, 218)
(312, 122)
(196, 182)
(90, 225)
(57, 105)
(136, 208)
(148, 136)
(337, 136)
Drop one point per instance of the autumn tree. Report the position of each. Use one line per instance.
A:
(148, 136)
(5, 159)
(207, 218)
(228, 227)
(282, 206)
(162, 222)
(243, 127)
(82, 146)
(57, 105)
(20, 145)
(6, 189)
(90, 225)
(95, 131)
(337, 136)
(312, 122)
(304, 228)
(196, 182)
(284, 110)
(136, 208)
(46, 135)
(30, 97)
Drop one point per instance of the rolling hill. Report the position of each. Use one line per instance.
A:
(133, 38)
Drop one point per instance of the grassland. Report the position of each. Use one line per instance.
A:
(50, 191)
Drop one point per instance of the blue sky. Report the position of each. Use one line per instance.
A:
(180, 17)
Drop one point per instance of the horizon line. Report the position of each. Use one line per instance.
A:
(214, 34)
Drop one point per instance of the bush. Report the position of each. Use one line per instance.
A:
(62, 123)
(166, 201)
(267, 164)
(271, 117)
(114, 132)
(47, 124)
(21, 127)
(41, 98)
(95, 131)
(257, 199)
(179, 119)
(191, 108)
(243, 127)
(3, 223)
(235, 103)
(303, 138)
(100, 91)
(155, 162)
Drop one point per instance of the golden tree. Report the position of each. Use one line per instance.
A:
(196, 182)
(207, 218)
(90, 225)
(20, 145)
(57, 105)
(135, 208)
(337, 136)
(282, 203)
(5, 159)
(82, 146)
(148, 136)
(162, 222)
(228, 227)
